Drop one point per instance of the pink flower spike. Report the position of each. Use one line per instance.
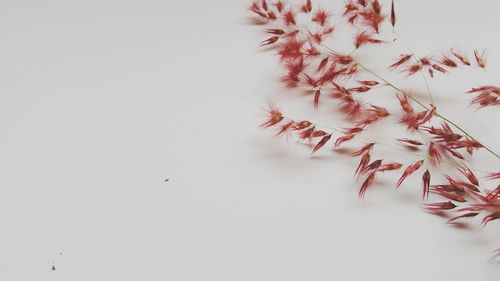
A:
(410, 141)
(441, 206)
(405, 103)
(317, 134)
(414, 68)
(279, 5)
(410, 170)
(439, 68)
(403, 59)
(460, 57)
(448, 62)
(393, 14)
(366, 184)
(320, 17)
(373, 19)
(481, 62)
(349, 9)
(377, 8)
(264, 5)
(317, 94)
(426, 179)
(363, 163)
(275, 31)
(343, 139)
(369, 83)
(289, 18)
(469, 175)
(491, 217)
(285, 128)
(342, 59)
(321, 143)
(322, 64)
(307, 7)
(493, 176)
(389, 167)
(306, 134)
(364, 149)
(363, 38)
(434, 153)
(373, 166)
(269, 41)
(274, 117)
(468, 215)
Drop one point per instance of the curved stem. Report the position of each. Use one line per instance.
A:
(393, 86)
(417, 61)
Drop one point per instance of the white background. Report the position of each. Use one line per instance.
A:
(101, 100)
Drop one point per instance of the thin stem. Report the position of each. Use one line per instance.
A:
(491, 76)
(392, 85)
(427, 85)
(417, 61)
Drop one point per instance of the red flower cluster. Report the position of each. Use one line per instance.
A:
(315, 68)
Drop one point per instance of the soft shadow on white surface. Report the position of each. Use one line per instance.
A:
(101, 101)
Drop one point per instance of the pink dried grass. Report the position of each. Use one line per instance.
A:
(316, 68)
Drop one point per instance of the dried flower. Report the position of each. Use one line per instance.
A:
(322, 142)
(480, 58)
(402, 60)
(320, 17)
(429, 138)
(393, 14)
(366, 184)
(410, 170)
(461, 57)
